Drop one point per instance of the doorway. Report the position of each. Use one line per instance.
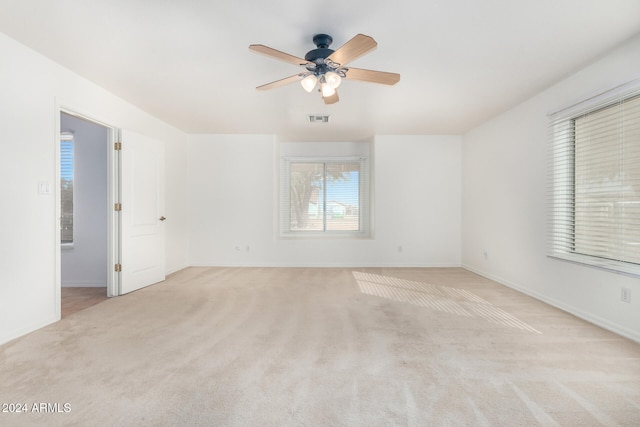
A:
(115, 221)
(84, 219)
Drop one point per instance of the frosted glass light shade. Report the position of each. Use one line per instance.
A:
(327, 90)
(309, 82)
(332, 79)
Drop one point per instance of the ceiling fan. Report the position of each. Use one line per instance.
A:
(327, 67)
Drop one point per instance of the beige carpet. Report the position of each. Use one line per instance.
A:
(322, 347)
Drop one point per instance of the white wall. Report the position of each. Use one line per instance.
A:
(503, 203)
(84, 263)
(31, 88)
(233, 203)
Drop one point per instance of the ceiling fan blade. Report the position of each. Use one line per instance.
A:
(354, 48)
(276, 54)
(372, 76)
(331, 99)
(280, 82)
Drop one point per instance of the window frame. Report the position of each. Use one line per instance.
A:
(364, 190)
(562, 186)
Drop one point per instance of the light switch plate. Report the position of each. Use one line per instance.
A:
(44, 187)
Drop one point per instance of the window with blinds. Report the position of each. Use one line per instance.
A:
(66, 188)
(594, 200)
(324, 196)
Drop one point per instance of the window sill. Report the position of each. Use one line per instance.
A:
(618, 267)
(324, 236)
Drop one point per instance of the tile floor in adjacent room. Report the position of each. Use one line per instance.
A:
(75, 299)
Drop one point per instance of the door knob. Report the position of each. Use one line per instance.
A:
(162, 218)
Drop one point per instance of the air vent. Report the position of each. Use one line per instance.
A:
(315, 118)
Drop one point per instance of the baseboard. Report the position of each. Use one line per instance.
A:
(12, 335)
(331, 265)
(175, 270)
(596, 320)
(84, 285)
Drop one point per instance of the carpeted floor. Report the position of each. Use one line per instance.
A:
(321, 347)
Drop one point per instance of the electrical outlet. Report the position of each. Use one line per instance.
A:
(625, 295)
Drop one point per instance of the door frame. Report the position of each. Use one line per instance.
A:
(113, 195)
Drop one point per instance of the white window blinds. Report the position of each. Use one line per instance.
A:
(66, 188)
(594, 197)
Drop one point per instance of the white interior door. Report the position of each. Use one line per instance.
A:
(142, 243)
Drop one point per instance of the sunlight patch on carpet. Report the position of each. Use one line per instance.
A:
(445, 299)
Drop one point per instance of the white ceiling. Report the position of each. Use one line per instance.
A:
(187, 62)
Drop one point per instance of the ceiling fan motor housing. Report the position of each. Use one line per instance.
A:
(322, 41)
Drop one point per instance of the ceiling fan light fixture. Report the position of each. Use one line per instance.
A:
(309, 82)
(332, 79)
(325, 67)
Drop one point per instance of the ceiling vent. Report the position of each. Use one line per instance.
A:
(315, 118)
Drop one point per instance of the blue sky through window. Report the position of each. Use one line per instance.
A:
(66, 159)
(344, 191)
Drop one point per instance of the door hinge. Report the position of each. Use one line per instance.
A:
(117, 146)
(117, 207)
(118, 268)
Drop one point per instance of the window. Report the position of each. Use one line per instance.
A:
(594, 206)
(66, 188)
(324, 196)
